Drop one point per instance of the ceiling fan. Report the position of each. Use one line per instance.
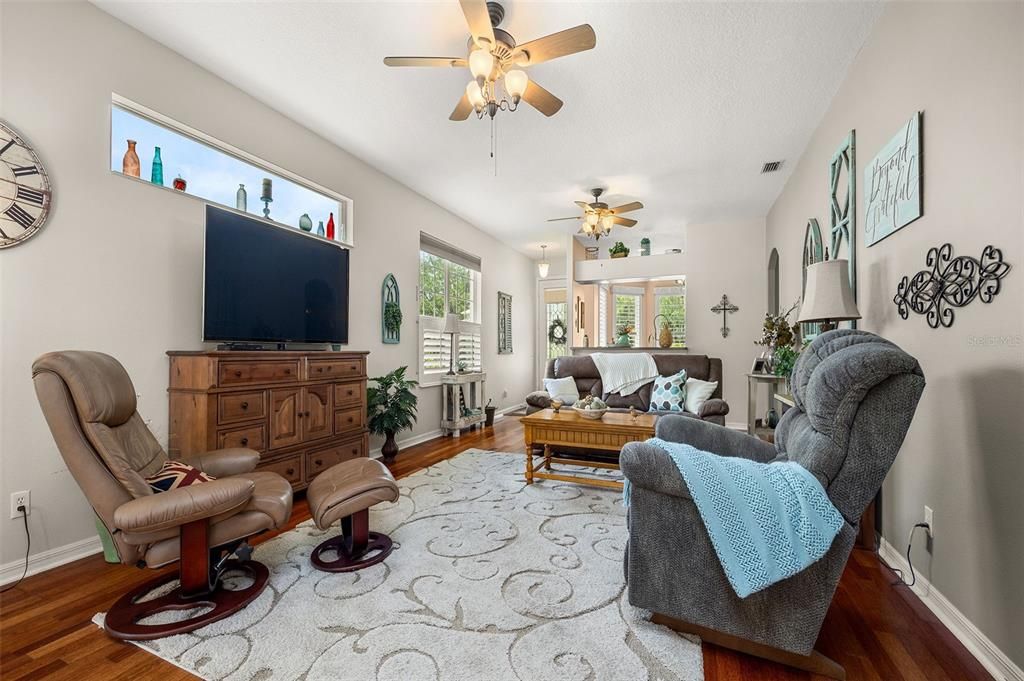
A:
(598, 218)
(494, 57)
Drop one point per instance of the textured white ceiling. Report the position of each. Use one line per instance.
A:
(677, 106)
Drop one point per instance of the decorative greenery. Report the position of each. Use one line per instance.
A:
(784, 360)
(557, 333)
(392, 316)
(461, 366)
(624, 329)
(777, 332)
(619, 247)
(391, 404)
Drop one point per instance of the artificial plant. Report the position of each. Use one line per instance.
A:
(391, 406)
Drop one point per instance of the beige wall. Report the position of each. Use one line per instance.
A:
(962, 65)
(118, 266)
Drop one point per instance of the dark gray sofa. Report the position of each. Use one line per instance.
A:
(855, 394)
(588, 382)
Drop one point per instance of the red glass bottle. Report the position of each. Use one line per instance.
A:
(330, 227)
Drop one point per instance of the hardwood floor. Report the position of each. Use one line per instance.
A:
(877, 631)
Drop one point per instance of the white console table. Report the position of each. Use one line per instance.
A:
(462, 401)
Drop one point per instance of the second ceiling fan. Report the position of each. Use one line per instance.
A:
(598, 219)
(495, 59)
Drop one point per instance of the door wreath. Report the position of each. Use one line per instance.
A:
(556, 332)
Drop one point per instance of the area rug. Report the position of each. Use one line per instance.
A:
(492, 580)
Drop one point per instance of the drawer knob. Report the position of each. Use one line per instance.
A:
(238, 374)
(245, 441)
(319, 370)
(306, 414)
(355, 450)
(319, 462)
(287, 371)
(245, 405)
(290, 471)
(328, 368)
(350, 419)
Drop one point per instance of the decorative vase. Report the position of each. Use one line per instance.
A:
(130, 164)
(623, 340)
(330, 227)
(665, 337)
(179, 183)
(645, 246)
(305, 224)
(390, 449)
(769, 361)
(241, 198)
(771, 419)
(320, 229)
(156, 175)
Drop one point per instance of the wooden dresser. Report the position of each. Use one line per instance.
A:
(302, 411)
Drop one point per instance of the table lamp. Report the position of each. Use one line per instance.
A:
(828, 298)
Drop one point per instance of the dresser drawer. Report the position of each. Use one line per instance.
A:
(241, 407)
(249, 373)
(335, 368)
(349, 419)
(346, 394)
(320, 460)
(290, 468)
(253, 437)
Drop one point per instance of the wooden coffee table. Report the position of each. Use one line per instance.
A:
(569, 429)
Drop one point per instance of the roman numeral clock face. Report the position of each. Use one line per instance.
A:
(24, 189)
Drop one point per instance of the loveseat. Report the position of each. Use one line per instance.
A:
(588, 382)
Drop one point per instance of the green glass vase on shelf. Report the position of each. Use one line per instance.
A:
(156, 176)
(305, 223)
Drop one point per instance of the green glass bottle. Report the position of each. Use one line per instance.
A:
(157, 174)
(305, 224)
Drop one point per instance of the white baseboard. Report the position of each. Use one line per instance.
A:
(514, 407)
(49, 559)
(979, 645)
(736, 425)
(410, 441)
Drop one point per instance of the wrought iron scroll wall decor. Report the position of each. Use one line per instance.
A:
(951, 282)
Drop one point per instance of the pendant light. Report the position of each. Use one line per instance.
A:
(543, 265)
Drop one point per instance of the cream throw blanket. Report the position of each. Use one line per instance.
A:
(624, 372)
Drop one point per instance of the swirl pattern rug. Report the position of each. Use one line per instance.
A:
(492, 580)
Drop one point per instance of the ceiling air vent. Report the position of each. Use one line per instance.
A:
(771, 167)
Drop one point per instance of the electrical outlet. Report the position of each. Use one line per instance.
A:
(929, 518)
(23, 498)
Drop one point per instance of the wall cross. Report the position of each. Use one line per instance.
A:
(725, 307)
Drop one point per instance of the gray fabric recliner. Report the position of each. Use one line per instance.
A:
(856, 394)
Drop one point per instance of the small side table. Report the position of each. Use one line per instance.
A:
(462, 401)
(754, 380)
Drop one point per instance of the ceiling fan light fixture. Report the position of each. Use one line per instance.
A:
(481, 63)
(475, 96)
(607, 222)
(592, 219)
(516, 82)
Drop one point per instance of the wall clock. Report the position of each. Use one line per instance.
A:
(24, 189)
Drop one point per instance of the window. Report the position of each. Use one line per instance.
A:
(602, 316)
(449, 283)
(213, 170)
(629, 304)
(556, 311)
(670, 301)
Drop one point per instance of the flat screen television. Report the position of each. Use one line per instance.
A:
(267, 284)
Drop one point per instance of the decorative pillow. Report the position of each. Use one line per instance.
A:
(175, 474)
(698, 392)
(668, 392)
(563, 389)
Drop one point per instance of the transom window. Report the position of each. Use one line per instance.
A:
(449, 283)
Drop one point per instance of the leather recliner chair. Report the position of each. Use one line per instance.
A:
(89, 403)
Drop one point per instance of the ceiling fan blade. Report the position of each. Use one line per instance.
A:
(582, 204)
(425, 61)
(462, 109)
(561, 44)
(576, 217)
(479, 21)
(541, 100)
(625, 222)
(627, 207)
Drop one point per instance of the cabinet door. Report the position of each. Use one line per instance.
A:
(317, 411)
(285, 417)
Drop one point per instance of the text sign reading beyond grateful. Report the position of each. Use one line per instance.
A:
(892, 183)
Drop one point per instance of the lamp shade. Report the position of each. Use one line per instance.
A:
(828, 296)
(451, 323)
(516, 82)
(542, 269)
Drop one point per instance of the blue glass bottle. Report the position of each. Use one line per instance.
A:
(320, 229)
(157, 175)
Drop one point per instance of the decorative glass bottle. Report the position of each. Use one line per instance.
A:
(320, 229)
(241, 198)
(179, 183)
(645, 246)
(157, 174)
(305, 224)
(330, 227)
(130, 164)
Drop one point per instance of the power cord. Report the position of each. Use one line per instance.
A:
(899, 573)
(28, 548)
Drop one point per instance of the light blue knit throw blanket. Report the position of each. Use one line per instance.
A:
(767, 521)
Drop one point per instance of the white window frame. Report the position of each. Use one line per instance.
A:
(667, 292)
(602, 316)
(638, 315)
(472, 328)
(346, 206)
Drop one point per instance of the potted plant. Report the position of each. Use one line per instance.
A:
(391, 406)
(619, 250)
(776, 333)
(392, 317)
(623, 332)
